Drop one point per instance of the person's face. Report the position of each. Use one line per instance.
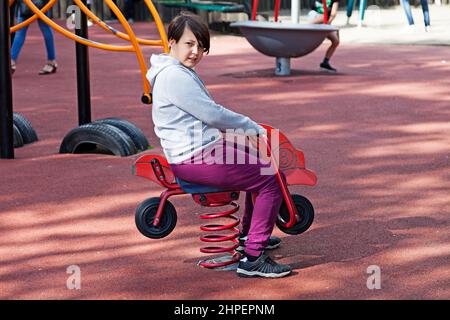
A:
(187, 50)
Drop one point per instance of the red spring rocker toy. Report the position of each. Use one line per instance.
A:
(157, 217)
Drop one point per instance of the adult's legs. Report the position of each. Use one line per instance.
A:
(362, 9)
(49, 40)
(350, 5)
(407, 9)
(426, 12)
(19, 40)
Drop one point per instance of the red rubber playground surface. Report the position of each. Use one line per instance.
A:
(377, 134)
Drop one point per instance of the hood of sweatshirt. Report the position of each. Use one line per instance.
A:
(158, 63)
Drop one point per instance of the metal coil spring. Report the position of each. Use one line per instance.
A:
(215, 238)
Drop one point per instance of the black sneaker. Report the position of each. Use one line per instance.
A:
(327, 67)
(274, 242)
(264, 267)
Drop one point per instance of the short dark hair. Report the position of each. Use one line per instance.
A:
(195, 24)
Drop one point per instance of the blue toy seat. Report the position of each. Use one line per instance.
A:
(193, 188)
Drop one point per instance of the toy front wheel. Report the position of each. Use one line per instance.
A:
(145, 215)
(305, 215)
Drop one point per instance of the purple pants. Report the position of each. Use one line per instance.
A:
(259, 218)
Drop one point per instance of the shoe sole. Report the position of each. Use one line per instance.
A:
(274, 246)
(251, 274)
(328, 70)
(44, 73)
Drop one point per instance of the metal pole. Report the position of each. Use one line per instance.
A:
(83, 81)
(6, 106)
(282, 66)
(295, 10)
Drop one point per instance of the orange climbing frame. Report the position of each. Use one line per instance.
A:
(129, 36)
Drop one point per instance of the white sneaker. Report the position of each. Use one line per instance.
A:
(409, 29)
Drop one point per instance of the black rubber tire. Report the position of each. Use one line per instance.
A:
(305, 211)
(17, 137)
(136, 134)
(26, 129)
(145, 215)
(100, 134)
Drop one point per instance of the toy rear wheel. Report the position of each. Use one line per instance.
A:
(145, 215)
(304, 219)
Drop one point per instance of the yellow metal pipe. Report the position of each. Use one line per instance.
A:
(110, 29)
(130, 37)
(32, 18)
(72, 36)
(159, 24)
(134, 42)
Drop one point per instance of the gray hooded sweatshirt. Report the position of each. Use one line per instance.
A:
(185, 116)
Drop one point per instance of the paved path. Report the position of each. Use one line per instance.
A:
(389, 26)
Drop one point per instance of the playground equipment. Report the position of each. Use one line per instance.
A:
(23, 131)
(6, 112)
(284, 40)
(111, 134)
(157, 217)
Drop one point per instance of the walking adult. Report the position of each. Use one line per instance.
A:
(23, 14)
(425, 10)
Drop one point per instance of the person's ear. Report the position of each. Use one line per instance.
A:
(171, 43)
